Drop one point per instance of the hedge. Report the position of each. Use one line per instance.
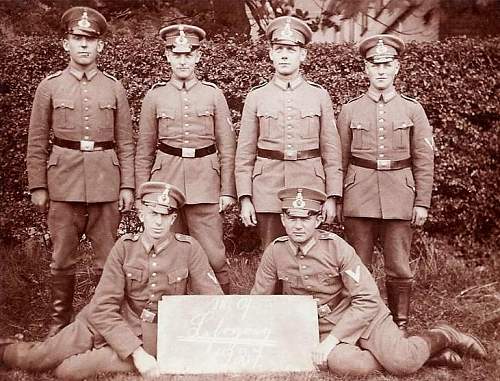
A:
(456, 81)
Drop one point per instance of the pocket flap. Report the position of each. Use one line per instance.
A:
(177, 275)
(319, 170)
(402, 124)
(107, 104)
(329, 277)
(114, 158)
(156, 165)
(53, 159)
(310, 112)
(205, 110)
(215, 163)
(410, 181)
(132, 273)
(257, 169)
(350, 179)
(359, 125)
(165, 113)
(267, 113)
(63, 103)
(285, 277)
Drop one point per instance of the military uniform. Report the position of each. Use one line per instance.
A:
(186, 139)
(387, 153)
(122, 313)
(349, 305)
(90, 161)
(287, 138)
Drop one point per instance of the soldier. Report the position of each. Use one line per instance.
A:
(88, 177)
(186, 138)
(388, 159)
(356, 331)
(288, 135)
(116, 332)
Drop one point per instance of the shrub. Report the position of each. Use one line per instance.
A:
(455, 80)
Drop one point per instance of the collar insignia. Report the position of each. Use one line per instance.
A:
(287, 31)
(380, 48)
(299, 202)
(84, 21)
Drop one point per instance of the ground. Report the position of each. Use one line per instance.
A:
(466, 295)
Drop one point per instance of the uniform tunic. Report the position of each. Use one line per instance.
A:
(136, 276)
(282, 116)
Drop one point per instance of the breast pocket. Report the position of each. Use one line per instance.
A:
(107, 109)
(166, 118)
(205, 115)
(62, 114)
(401, 134)
(177, 281)
(268, 124)
(309, 127)
(360, 131)
(288, 281)
(134, 280)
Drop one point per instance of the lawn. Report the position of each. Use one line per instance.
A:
(465, 294)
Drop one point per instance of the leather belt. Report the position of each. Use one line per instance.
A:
(289, 154)
(84, 145)
(381, 165)
(187, 152)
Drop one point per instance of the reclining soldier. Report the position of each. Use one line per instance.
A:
(116, 331)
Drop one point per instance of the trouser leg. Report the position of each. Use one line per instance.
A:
(205, 224)
(38, 356)
(347, 359)
(361, 234)
(92, 362)
(396, 242)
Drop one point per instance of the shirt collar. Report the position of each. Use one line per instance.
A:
(188, 85)
(148, 243)
(286, 85)
(387, 95)
(304, 248)
(78, 74)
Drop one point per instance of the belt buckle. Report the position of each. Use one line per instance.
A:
(383, 164)
(324, 310)
(148, 316)
(86, 145)
(290, 154)
(188, 152)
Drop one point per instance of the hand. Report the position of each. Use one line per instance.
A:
(145, 363)
(247, 212)
(321, 352)
(40, 198)
(126, 200)
(328, 210)
(419, 215)
(225, 201)
(340, 212)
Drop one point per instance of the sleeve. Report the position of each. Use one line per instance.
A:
(226, 144)
(422, 156)
(246, 150)
(124, 138)
(201, 275)
(148, 139)
(329, 143)
(343, 124)
(38, 137)
(267, 275)
(361, 288)
(106, 304)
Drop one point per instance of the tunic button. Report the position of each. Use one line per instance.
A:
(289, 136)
(85, 100)
(86, 118)
(289, 146)
(153, 255)
(404, 124)
(185, 99)
(381, 112)
(186, 141)
(304, 266)
(380, 105)
(381, 120)
(129, 275)
(289, 118)
(84, 83)
(381, 155)
(178, 278)
(306, 276)
(382, 147)
(153, 274)
(153, 264)
(85, 90)
(152, 296)
(289, 108)
(381, 129)
(86, 109)
(86, 137)
(185, 115)
(309, 286)
(186, 107)
(187, 124)
(381, 138)
(289, 127)
(186, 133)
(301, 257)
(153, 285)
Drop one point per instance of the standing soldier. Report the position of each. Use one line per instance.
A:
(288, 136)
(84, 182)
(186, 139)
(388, 158)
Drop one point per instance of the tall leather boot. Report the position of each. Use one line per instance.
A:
(63, 288)
(398, 300)
(463, 344)
(440, 352)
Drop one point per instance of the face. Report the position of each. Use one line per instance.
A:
(156, 225)
(83, 50)
(183, 64)
(381, 75)
(287, 59)
(300, 229)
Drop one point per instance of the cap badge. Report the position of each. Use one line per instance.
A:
(299, 202)
(181, 38)
(380, 48)
(164, 197)
(84, 20)
(287, 31)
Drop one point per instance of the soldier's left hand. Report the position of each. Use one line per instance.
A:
(419, 215)
(329, 210)
(321, 352)
(126, 200)
(225, 202)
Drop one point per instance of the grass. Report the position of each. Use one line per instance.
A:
(465, 295)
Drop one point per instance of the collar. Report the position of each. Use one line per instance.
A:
(78, 74)
(148, 243)
(188, 85)
(287, 85)
(304, 248)
(387, 95)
